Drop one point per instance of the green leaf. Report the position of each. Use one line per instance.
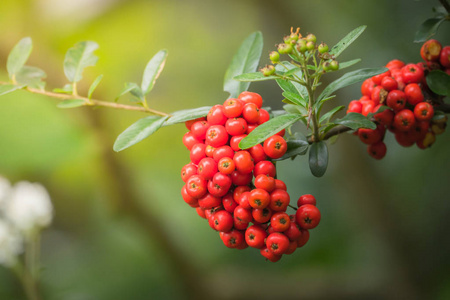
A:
(18, 56)
(254, 76)
(267, 129)
(295, 98)
(427, 29)
(438, 115)
(279, 112)
(246, 60)
(138, 131)
(291, 86)
(293, 71)
(94, 85)
(328, 128)
(79, 57)
(153, 70)
(295, 109)
(349, 63)
(350, 78)
(66, 89)
(331, 113)
(346, 41)
(355, 121)
(187, 114)
(134, 89)
(294, 148)
(439, 82)
(318, 158)
(9, 88)
(71, 103)
(30, 76)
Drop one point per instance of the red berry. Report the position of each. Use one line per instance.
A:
(307, 216)
(404, 120)
(396, 100)
(280, 221)
(377, 150)
(232, 239)
(232, 108)
(226, 165)
(269, 255)
(219, 185)
(444, 58)
(228, 203)
(236, 126)
(306, 199)
(261, 215)
(423, 111)
(259, 198)
(265, 167)
(412, 73)
(221, 152)
(249, 97)
(196, 186)
(207, 167)
(279, 200)
(255, 236)
(187, 171)
(275, 146)
(413, 93)
(303, 239)
(190, 140)
(354, 106)
(209, 201)
(199, 128)
(265, 182)
(389, 83)
(242, 214)
(197, 153)
(235, 140)
(395, 64)
(277, 243)
(430, 50)
(223, 221)
(216, 115)
(250, 112)
(216, 136)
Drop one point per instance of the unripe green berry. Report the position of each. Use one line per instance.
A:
(301, 46)
(326, 66)
(323, 48)
(268, 70)
(293, 36)
(334, 65)
(285, 48)
(311, 38)
(274, 56)
(310, 46)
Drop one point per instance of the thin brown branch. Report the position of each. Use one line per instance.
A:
(446, 5)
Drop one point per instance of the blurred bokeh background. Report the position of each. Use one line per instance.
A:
(121, 229)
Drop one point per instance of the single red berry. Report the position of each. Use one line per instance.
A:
(243, 162)
(263, 116)
(405, 138)
(201, 212)
(430, 50)
(216, 136)
(413, 93)
(265, 182)
(228, 202)
(269, 255)
(280, 221)
(275, 146)
(395, 64)
(226, 165)
(423, 111)
(196, 186)
(354, 106)
(221, 152)
(255, 236)
(243, 200)
(396, 100)
(261, 215)
(280, 185)
(306, 199)
(404, 120)
(219, 185)
(257, 153)
(370, 136)
(279, 200)
(389, 83)
(377, 150)
(259, 198)
(265, 167)
(249, 97)
(277, 243)
(209, 150)
(193, 202)
(197, 153)
(207, 167)
(307, 216)
(216, 115)
(386, 117)
(367, 87)
(444, 57)
(236, 126)
(412, 74)
(240, 225)
(239, 178)
(303, 239)
(239, 190)
(367, 107)
(190, 140)
(223, 221)
(235, 140)
(209, 201)
(378, 78)
(250, 112)
(293, 232)
(187, 171)
(232, 108)
(251, 127)
(242, 214)
(232, 239)
(292, 247)
(190, 122)
(199, 128)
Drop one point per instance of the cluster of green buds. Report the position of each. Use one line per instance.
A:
(302, 48)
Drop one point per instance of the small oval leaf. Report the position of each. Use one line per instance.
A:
(354, 121)
(331, 113)
(71, 103)
(294, 148)
(318, 158)
(347, 40)
(138, 131)
(79, 57)
(246, 60)
(267, 129)
(439, 82)
(94, 85)
(9, 88)
(427, 29)
(153, 70)
(254, 76)
(18, 56)
(187, 114)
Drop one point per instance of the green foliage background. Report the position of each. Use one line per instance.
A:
(384, 223)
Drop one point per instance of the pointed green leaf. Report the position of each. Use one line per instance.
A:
(295, 70)
(295, 98)
(138, 131)
(187, 114)
(427, 29)
(318, 158)
(153, 70)
(438, 115)
(94, 85)
(346, 41)
(134, 89)
(66, 89)
(349, 63)
(71, 103)
(254, 76)
(355, 121)
(18, 56)
(8, 88)
(439, 82)
(79, 57)
(268, 129)
(350, 78)
(291, 86)
(295, 109)
(30, 76)
(331, 113)
(246, 60)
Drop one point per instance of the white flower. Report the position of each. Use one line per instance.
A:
(28, 206)
(10, 244)
(5, 188)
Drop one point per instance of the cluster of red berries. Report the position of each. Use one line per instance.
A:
(232, 187)
(403, 89)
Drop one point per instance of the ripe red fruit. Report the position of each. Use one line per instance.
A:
(197, 153)
(280, 221)
(293, 232)
(257, 153)
(423, 111)
(396, 100)
(269, 255)
(223, 221)
(236, 126)
(378, 78)
(354, 106)
(235, 140)
(303, 239)
(221, 152)
(187, 171)
(249, 97)
(265, 182)
(226, 165)
(209, 150)
(307, 216)
(265, 167)
(405, 138)
(412, 73)
(243, 162)
(242, 214)
(275, 146)
(209, 201)
(250, 112)
(232, 108)
(190, 122)
(239, 178)
(395, 64)
(386, 117)
(201, 212)
(277, 243)
(232, 239)
(444, 58)
(216, 115)
(306, 199)
(219, 185)
(377, 150)
(228, 203)
(367, 87)
(199, 128)
(280, 185)
(193, 202)
(263, 116)
(430, 50)
(389, 83)
(196, 186)
(404, 120)
(279, 200)
(370, 136)
(207, 167)
(255, 236)
(189, 140)
(413, 93)
(261, 215)
(259, 198)
(216, 136)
